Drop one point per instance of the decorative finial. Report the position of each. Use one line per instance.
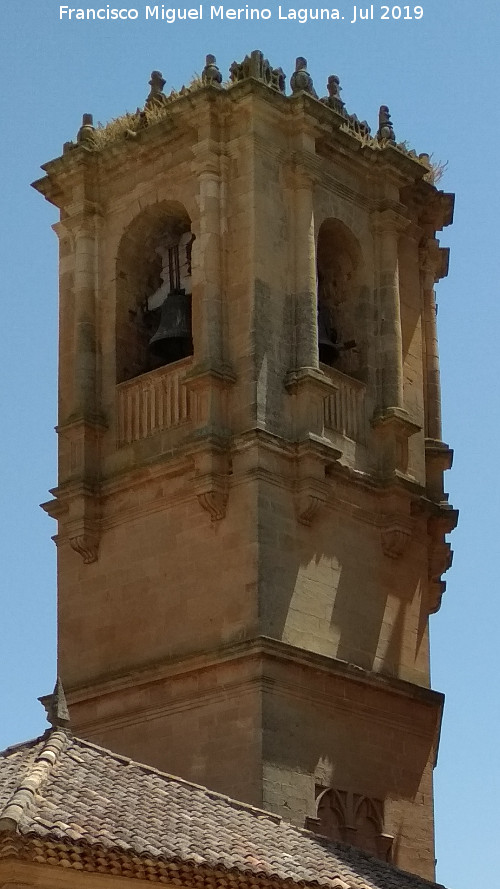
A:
(211, 74)
(86, 131)
(385, 128)
(156, 94)
(333, 99)
(333, 87)
(257, 67)
(56, 706)
(301, 80)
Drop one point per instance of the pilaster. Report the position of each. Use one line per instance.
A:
(306, 301)
(391, 422)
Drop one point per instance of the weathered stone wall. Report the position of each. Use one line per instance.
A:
(249, 496)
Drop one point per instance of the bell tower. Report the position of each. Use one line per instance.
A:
(250, 502)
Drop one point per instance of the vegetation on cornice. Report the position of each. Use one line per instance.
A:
(435, 169)
(156, 109)
(130, 123)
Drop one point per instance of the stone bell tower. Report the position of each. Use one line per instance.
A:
(250, 505)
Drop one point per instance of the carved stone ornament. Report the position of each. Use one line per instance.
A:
(352, 818)
(308, 503)
(256, 66)
(385, 129)
(440, 554)
(156, 94)
(86, 545)
(395, 538)
(214, 501)
(440, 560)
(211, 480)
(211, 74)
(333, 99)
(56, 707)
(86, 132)
(301, 80)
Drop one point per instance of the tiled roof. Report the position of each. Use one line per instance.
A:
(74, 803)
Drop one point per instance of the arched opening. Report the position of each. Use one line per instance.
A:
(338, 261)
(153, 291)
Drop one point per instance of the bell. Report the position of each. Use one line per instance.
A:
(173, 339)
(328, 347)
(329, 350)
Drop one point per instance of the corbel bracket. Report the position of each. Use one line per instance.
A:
(314, 456)
(211, 477)
(86, 545)
(440, 554)
(77, 508)
(396, 535)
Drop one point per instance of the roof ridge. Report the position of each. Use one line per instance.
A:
(22, 745)
(11, 815)
(213, 794)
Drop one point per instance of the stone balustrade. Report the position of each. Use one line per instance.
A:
(345, 408)
(153, 402)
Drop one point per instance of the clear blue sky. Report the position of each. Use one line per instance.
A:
(439, 77)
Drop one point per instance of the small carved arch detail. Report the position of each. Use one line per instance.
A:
(330, 811)
(352, 818)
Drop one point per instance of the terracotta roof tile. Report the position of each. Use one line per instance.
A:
(60, 789)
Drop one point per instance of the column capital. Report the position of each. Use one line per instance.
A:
(301, 171)
(208, 154)
(63, 230)
(389, 220)
(433, 260)
(82, 219)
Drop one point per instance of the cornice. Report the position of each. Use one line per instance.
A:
(186, 113)
(259, 648)
(168, 467)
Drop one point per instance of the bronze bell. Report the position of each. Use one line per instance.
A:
(173, 339)
(328, 347)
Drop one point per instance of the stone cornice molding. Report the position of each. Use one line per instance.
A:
(252, 648)
(390, 219)
(439, 452)
(96, 423)
(330, 185)
(73, 171)
(254, 654)
(122, 505)
(121, 487)
(219, 374)
(433, 261)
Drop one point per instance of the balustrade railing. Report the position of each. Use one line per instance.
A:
(345, 408)
(153, 402)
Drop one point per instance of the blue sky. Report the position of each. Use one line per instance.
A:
(438, 75)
